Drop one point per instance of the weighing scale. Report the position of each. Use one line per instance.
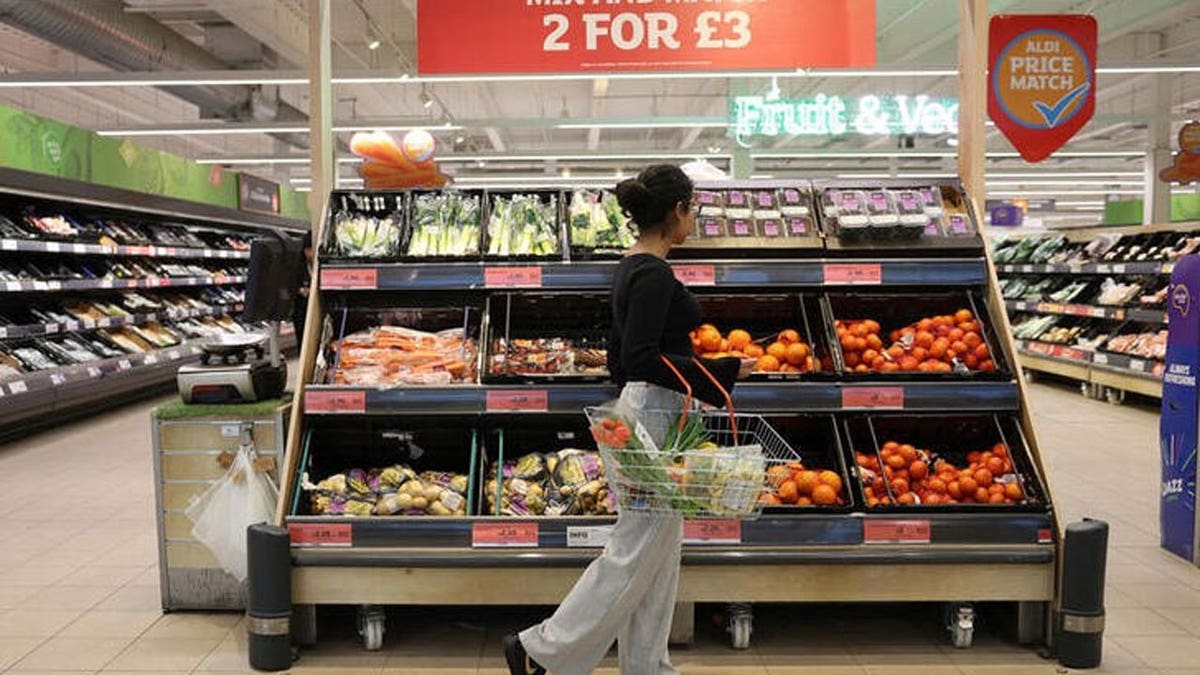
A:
(235, 369)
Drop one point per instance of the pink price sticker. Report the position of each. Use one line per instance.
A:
(330, 401)
(896, 531)
(343, 278)
(512, 277)
(854, 274)
(873, 398)
(321, 534)
(696, 275)
(518, 400)
(504, 535)
(712, 531)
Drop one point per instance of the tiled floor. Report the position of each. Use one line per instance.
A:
(79, 583)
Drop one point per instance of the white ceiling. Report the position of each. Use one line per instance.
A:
(522, 117)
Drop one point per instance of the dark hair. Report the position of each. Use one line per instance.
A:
(306, 241)
(656, 191)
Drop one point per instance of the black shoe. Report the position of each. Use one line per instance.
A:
(519, 662)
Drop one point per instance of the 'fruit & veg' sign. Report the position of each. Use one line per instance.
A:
(571, 36)
(1042, 79)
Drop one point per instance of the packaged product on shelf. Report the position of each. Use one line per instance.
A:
(847, 209)
(710, 227)
(524, 225)
(547, 356)
(737, 200)
(769, 226)
(915, 219)
(881, 210)
(393, 491)
(740, 227)
(10, 367)
(393, 355)
(710, 199)
(445, 224)
(32, 358)
(569, 482)
(363, 236)
(597, 223)
(1148, 344)
(764, 200)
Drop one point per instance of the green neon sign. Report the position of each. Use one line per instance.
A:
(821, 115)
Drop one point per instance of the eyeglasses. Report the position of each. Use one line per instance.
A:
(693, 206)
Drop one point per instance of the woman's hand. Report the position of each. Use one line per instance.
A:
(747, 367)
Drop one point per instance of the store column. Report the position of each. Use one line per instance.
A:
(1156, 198)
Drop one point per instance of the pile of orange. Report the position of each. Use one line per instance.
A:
(932, 345)
(786, 352)
(907, 475)
(792, 484)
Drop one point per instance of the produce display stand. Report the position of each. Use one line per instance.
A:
(193, 448)
(951, 554)
(37, 394)
(1101, 373)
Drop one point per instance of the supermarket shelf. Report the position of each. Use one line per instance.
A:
(598, 275)
(1134, 366)
(41, 329)
(749, 397)
(73, 248)
(1054, 366)
(119, 284)
(1090, 268)
(437, 537)
(74, 193)
(100, 382)
(1138, 383)
(1093, 311)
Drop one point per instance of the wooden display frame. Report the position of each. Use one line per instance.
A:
(1026, 573)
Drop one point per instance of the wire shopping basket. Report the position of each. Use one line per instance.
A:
(698, 463)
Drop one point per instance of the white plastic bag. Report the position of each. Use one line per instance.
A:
(220, 516)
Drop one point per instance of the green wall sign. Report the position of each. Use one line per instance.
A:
(33, 143)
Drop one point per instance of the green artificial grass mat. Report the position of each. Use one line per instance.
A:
(178, 410)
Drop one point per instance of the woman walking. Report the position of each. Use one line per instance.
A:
(628, 592)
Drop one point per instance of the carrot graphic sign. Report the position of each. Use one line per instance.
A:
(1042, 81)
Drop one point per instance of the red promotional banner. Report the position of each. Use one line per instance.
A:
(1042, 82)
(570, 36)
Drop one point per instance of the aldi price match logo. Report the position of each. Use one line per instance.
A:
(1042, 81)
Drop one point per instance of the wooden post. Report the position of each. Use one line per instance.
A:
(972, 98)
(324, 167)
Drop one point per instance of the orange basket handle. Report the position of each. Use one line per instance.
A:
(688, 389)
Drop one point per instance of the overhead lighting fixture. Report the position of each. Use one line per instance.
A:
(1065, 181)
(899, 176)
(1062, 193)
(426, 98)
(1064, 174)
(1080, 203)
(205, 131)
(373, 41)
(952, 141)
(642, 125)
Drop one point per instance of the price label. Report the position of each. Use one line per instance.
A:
(173, 355)
(337, 402)
(8, 245)
(895, 531)
(1104, 269)
(71, 325)
(504, 535)
(53, 247)
(94, 372)
(518, 400)
(106, 283)
(105, 322)
(169, 252)
(321, 534)
(512, 277)
(341, 278)
(1045, 536)
(12, 286)
(1118, 269)
(57, 378)
(1101, 358)
(41, 286)
(18, 387)
(853, 274)
(873, 398)
(124, 364)
(1027, 269)
(150, 360)
(1138, 365)
(79, 248)
(591, 536)
(51, 328)
(696, 275)
(712, 531)
(3, 332)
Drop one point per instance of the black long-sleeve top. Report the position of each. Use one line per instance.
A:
(652, 315)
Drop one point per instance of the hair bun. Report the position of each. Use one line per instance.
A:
(635, 198)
